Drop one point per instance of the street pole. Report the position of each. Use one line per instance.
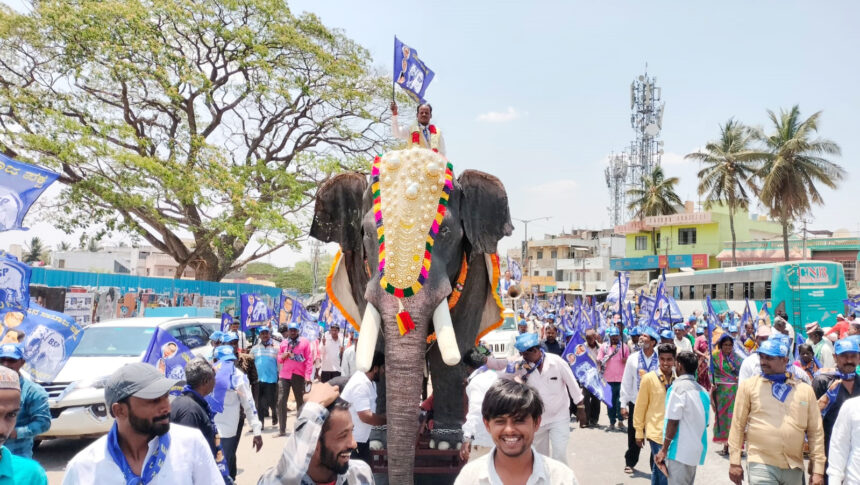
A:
(526, 259)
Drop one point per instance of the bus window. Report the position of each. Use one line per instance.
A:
(767, 290)
(692, 292)
(758, 290)
(747, 290)
(713, 291)
(721, 292)
(676, 293)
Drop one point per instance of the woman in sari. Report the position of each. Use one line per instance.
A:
(807, 360)
(702, 350)
(727, 365)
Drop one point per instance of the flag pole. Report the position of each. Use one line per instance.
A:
(394, 63)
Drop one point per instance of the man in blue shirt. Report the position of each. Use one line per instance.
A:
(34, 418)
(14, 470)
(265, 355)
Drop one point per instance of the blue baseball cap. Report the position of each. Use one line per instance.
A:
(293, 326)
(651, 333)
(667, 334)
(773, 348)
(11, 351)
(523, 323)
(680, 326)
(612, 331)
(228, 337)
(700, 330)
(732, 328)
(843, 346)
(216, 336)
(635, 330)
(778, 337)
(692, 318)
(224, 352)
(526, 341)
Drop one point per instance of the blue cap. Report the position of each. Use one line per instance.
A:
(667, 334)
(843, 346)
(700, 330)
(680, 326)
(692, 318)
(11, 351)
(523, 323)
(228, 337)
(216, 336)
(224, 352)
(293, 326)
(651, 333)
(526, 341)
(773, 348)
(635, 330)
(733, 328)
(778, 337)
(612, 331)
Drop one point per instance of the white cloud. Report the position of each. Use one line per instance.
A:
(500, 117)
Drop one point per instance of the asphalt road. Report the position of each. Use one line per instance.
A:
(595, 454)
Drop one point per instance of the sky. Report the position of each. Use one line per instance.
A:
(537, 93)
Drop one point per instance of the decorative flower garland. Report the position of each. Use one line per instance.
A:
(433, 141)
(404, 321)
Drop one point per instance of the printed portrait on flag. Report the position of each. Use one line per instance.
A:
(50, 338)
(254, 312)
(20, 185)
(14, 284)
(410, 73)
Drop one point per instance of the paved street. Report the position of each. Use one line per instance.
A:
(597, 456)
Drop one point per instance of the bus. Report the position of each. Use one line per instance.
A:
(807, 291)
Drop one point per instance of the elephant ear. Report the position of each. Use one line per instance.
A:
(484, 210)
(338, 212)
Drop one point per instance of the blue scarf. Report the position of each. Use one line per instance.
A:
(532, 367)
(150, 468)
(651, 364)
(222, 463)
(779, 388)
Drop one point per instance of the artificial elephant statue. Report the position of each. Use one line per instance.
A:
(438, 238)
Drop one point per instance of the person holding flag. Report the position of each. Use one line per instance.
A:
(421, 133)
(638, 364)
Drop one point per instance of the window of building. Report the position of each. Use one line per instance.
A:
(553, 254)
(559, 275)
(598, 276)
(641, 243)
(687, 236)
(747, 290)
(692, 292)
(537, 273)
(850, 268)
(657, 242)
(61, 264)
(730, 291)
(767, 290)
(540, 254)
(713, 291)
(549, 273)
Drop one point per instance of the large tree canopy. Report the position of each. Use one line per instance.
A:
(198, 126)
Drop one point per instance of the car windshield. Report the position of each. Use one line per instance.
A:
(113, 341)
(510, 323)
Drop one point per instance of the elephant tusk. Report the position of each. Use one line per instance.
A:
(366, 345)
(445, 336)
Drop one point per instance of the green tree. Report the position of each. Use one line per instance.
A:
(728, 171)
(177, 119)
(64, 246)
(656, 197)
(300, 277)
(35, 251)
(794, 162)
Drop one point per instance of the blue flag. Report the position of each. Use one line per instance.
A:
(50, 338)
(226, 321)
(20, 185)
(223, 383)
(14, 284)
(585, 369)
(168, 355)
(712, 321)
(514, 268)
(410, 72)
(253, 311)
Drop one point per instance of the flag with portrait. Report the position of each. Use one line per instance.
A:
(20, 185)
(410, 72)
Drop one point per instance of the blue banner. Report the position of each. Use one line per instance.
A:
(585, 369)
(223, 383)
(253, 311)
(20, 185)
(330, 314)
(410, 73)
(14, 284)
(226, 321)
(514, 268)
(49, 339)
(168, 355)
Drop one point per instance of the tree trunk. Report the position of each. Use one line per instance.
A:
(654, 240)
(734, 238)
(785, 237)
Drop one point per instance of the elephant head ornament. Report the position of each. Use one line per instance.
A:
(418, 257)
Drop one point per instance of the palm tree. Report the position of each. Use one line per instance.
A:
(93, 245)
(729, 167)
(657, 197)
(794, 160)
(64, 246)
(34, 248)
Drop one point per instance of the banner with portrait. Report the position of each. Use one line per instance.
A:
(20, 185)
(49, 338)
(585, 369)
(410, 72)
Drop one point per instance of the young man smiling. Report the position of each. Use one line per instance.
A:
(651, 406)
(512, 415)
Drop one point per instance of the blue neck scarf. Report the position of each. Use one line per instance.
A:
(779, 388)
(651, 364)
(222, 463)
(532, 367)
(150, 468)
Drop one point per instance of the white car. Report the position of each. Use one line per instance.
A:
(501, 340)
(77, 397)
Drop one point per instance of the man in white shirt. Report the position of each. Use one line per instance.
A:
(142, 444)
(512, 415)
(360, 393)
(237, 393)
(751, 366)
(821, 347)
(422, 133)
(347, 363)
(476, 440)
(331, 350)
(638, 364)
(685, 428)
(682, 343)
(843, 460)
(551, 377)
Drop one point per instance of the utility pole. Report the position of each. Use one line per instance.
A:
(526, 259)
(315, 263)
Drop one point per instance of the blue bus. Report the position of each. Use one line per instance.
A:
(807, 291)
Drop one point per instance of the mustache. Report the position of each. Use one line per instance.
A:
(163, 417)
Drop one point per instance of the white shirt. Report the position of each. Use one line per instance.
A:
(227, 421)
(630, 380)
(403, 133)
(360, 393)
(479, 383)
(826, 358)
(751, 367)
(683, 344)
(189, 461)
(347, 365)
(545, 471)
(843, 461)
(689, 404)
(330, 353)
(553, 384)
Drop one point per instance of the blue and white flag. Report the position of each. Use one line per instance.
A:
(410, 72)
(14, 284)
(514, 268)
(226, 321)
(20, 185)
(618, 292)
(585, 369)
(168, 355)
(50, 338)
(223, 383)
(712, 321)
(253, 311)
(659, 297)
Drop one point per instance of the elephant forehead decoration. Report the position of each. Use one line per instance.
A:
(410, 196)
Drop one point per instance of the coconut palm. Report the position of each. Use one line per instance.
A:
(656, 197)
(728, 169)
(35, 251)
(794, 161)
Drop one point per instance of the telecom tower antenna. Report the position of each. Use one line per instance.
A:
(646, 119)
(616, 181)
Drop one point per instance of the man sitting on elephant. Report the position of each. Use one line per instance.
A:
(421, 133)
